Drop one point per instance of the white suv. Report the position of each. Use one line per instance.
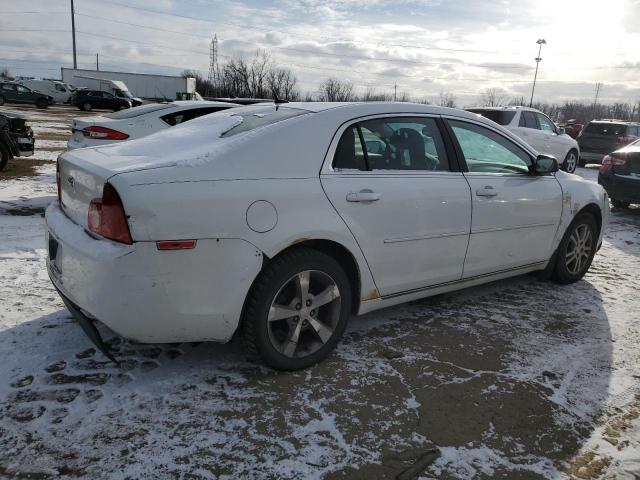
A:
(538, 130)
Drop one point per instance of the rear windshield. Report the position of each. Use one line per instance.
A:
(259, 116)
(612, 129)
(137, 111)
(501, 117)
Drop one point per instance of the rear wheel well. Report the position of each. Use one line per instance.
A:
(343, 257)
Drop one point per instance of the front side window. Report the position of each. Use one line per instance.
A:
(59, 88)
(22, 89)
(396, 143)
(107, 95)
(545, 124)
(501, 117)
(485, 151)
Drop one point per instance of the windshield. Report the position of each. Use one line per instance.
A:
(137, 111)
(123, 93)
(254, 117)
(501, 117)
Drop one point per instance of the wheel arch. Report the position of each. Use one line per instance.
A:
(594, 210)
(338, 252)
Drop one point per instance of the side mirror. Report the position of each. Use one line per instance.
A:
(545, 164)
(561, 131)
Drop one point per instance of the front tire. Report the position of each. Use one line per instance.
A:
(570, 162)
(576, 250)
(5, 156)
(87, 107)
(42, 104)
(297, 309)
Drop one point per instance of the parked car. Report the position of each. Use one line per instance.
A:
(620, 175)
(11, 92)
(538, 130)
(601, 137)
(87, 100)
(277, 221)
(573, 128)
(16, 137)
(137, 122)
(59, 91)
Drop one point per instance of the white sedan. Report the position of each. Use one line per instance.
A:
(137, 122)
(538, 130)
(280, 221)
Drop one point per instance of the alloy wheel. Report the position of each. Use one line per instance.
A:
(571, 162)
(579, 249)
(304, 314)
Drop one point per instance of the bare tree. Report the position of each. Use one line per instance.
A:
(282, 82)
(336, 90)
(492, 97)
(447, 99)
(5, 74)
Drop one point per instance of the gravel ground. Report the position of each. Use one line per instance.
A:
(519, 379)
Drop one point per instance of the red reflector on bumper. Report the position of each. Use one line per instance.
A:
(176, 244)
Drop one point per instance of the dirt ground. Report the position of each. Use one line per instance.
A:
(520, 379)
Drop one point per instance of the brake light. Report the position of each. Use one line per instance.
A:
(176, 244)
(58, 181)
(103, 133)
(106, 216)
(609, 161)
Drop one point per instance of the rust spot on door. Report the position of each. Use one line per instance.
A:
(372, 295)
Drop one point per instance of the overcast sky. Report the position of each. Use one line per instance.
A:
(423, 46)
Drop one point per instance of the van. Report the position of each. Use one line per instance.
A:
(60, 91)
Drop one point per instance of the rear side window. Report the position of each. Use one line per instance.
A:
(186, 115)
(501, 117)
(394, 143)
(528, 120)
(254, 117)
(608, 129)
(137, 111)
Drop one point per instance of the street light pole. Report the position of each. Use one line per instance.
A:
(540, 42)
(73, 33)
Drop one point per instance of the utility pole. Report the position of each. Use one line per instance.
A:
(97, 63)
(395, 92)
(540, 42)
(595, 101)
(73, 33)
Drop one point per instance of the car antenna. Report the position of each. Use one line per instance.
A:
(278, 100)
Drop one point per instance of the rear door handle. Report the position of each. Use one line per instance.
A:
(487, 191)
(365, 195)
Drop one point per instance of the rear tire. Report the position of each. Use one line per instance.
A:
(570, 162)
(318, 312)
(576, 250)
(87, 107)
(42, 104)
(5, 156)
(619, 203)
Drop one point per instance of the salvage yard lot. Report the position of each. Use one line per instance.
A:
(520, 379)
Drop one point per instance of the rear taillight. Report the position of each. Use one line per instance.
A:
(609, 161)
(103, 133)
(106, 216)
(58, 181)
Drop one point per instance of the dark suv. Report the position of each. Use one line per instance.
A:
(15, 93)
(87, 100)
(16, 138)
(601, 137)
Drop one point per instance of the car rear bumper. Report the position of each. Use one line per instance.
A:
(148, 295)
(623, 188)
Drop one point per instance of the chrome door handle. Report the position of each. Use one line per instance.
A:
(487, 191)
(365, 195)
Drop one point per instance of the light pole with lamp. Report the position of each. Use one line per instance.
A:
(540, 42)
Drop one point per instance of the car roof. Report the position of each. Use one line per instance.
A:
(506, 108)
(611, 120)
(200, 103)
(372, 108)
